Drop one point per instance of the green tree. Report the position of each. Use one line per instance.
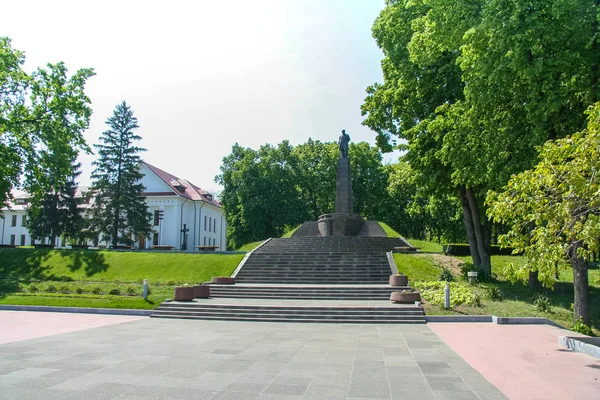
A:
(275, 187)
(42, 118)
(56, 212)
(120, 211)
(553, 210)
(524, 87)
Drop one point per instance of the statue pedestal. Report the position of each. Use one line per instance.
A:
(339, 224)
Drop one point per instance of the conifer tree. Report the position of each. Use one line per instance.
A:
(120, 211)
(56, 212)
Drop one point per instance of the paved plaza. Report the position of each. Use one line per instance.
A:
(144, 358)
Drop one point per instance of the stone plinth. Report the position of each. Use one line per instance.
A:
(343, 188)
(340, 224)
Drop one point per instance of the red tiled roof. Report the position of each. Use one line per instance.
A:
(181, 187)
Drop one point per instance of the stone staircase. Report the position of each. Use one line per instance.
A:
(304, 292)
(285, 312)
(307, 279)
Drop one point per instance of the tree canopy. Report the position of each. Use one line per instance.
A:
(473, 87)
(42, 119)
(553, 210)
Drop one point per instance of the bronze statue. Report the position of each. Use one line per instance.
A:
(343, 141)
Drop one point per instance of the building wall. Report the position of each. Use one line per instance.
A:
(177, 211)
(6, 228)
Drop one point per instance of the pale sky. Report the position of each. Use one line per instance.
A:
(203, 75)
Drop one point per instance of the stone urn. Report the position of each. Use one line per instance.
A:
(184, 293)
(201, 291)
(405, 296)
(398, 280)
(223, 280)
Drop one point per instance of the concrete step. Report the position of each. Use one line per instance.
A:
(287, 319)
(290, 313)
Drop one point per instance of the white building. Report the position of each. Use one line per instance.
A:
(176, 206)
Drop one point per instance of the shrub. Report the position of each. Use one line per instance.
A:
(494, 294)
(171, 283)
(446, 275)
(115, 292)
(64, 289)
(96, 290)
(79, 290)
(581, 327)
(32, 288)
(467, 267)
(463, 249)
(131, 290)
(542, 303)
(51, 288)
(460, 293)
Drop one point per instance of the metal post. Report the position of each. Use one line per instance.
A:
(447, 296)
(145, 292)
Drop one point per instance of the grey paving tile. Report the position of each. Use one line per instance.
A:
(246, 387)
(320, 392)
(370, 389)
(282, 389)
(225, 395)
(454, 395)
(413, 394)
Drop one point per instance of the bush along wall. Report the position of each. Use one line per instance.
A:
(462, 249)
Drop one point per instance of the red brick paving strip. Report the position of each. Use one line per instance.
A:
(524, 361)
(23, 325)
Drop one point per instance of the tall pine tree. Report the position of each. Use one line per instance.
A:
(120, 211)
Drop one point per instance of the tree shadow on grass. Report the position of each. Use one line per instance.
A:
(561, 297)
(26, 265)
(92, 261)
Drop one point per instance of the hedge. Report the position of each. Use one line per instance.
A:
(462, 249)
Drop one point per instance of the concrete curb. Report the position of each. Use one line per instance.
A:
(585, 345)
(80, 310)
(248, 254)
(525, 321)
(392, 262)
(458, 318)
(493, 319)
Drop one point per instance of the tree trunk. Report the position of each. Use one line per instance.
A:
(581, 304)
(533, 280)
(481, 232)
(468, 220)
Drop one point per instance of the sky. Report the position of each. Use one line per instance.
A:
(203, 75)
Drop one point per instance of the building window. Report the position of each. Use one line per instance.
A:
(155, 239)
(204, 240)
(205, 219)
(13, 221)
(12, 240)
(22, 240)
(156, 217)
(210, 224)
(214, 225)
(24, 220)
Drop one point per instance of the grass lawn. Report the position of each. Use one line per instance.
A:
(250, 246)
(84, 278)
(417, 267)
(519, 298)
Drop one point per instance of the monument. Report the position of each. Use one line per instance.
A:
(344, 222)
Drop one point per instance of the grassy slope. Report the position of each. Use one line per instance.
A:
(250, 246)
(417, 268)
(89, 265)
(424, 246)
(162, 270)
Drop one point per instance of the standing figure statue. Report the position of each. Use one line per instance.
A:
(343, 144)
